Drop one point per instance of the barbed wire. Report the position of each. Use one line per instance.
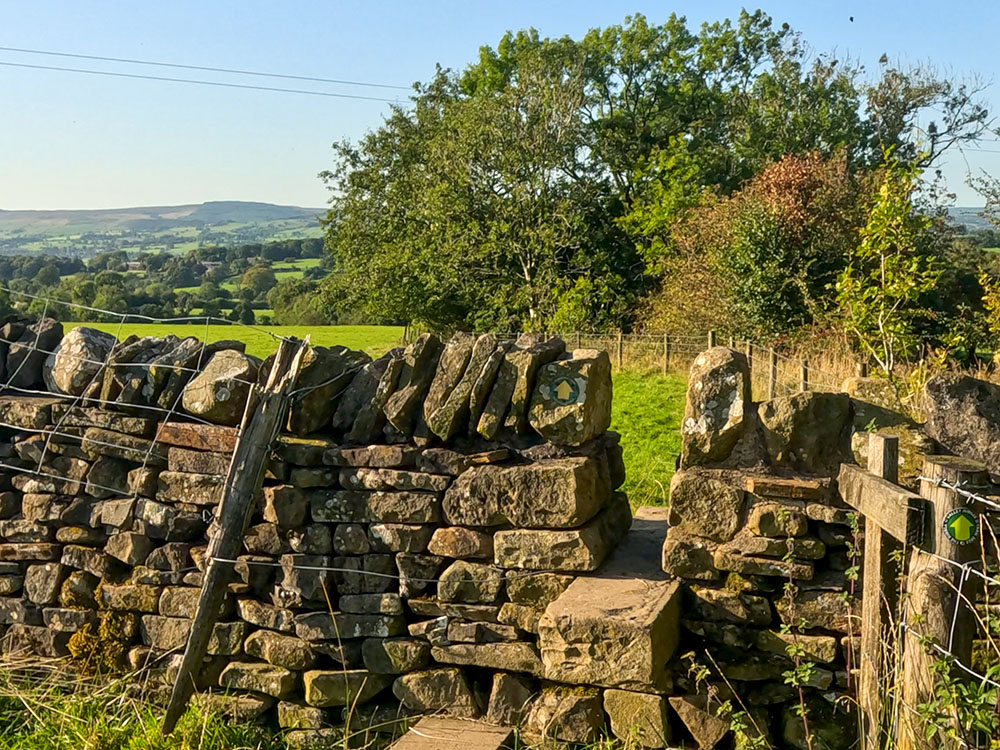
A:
(72, 403)
(950, 656)
(963, 490)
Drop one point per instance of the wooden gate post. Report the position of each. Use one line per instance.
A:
(711, 339)
(934, 610)
(772, 381)
(880, 597)
(246, 472)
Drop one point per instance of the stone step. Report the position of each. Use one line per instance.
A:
(619, 626)
(445, 733)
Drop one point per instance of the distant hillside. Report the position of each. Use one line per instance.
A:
(969, 216)
(153, 228)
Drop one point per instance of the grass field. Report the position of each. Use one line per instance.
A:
(376, 340)
(285, 270)
(646, 410)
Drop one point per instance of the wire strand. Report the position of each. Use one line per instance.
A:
(221, 84)
(209, 68)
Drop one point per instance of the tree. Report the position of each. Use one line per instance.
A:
(243, 313)
(889, 271)
(542, 185)
(48, 275)
(295, 303)
(260, 279)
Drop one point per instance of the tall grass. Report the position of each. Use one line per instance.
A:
(46, 708)
(59, 710)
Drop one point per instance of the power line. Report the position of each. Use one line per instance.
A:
(209, 68)
(202, 83)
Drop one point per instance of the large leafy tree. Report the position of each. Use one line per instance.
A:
(540, 186)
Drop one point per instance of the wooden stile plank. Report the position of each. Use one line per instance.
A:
(444, 733)
(792, 489)
(898, 512)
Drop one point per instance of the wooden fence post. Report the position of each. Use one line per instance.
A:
(772, 381)
(862, 369)
(621, 348)
(880, 597)
(577, 340)
(804, 375)
(666, 353)
(246, 472)
(711, 339)
(748, 349)
(935, 609)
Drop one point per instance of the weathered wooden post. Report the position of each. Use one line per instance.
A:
(246, 472)
(772, 381)
(862, 369)
(577, 340)
(749, 356)
(804, 375)
(880, 597)
(621, 349)
(936, 614)
(666, 353)
(711, 339)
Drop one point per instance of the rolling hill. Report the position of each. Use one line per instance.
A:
(970, 217)
(152, 228)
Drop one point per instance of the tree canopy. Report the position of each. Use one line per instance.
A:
(541, 186)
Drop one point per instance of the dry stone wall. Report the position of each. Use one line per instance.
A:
(763, 545)
(419, 513)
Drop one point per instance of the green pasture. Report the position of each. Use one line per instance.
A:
(260, 340)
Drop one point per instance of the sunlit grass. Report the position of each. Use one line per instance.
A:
(647, 409)
(376, 340)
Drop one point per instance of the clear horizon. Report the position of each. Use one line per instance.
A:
(87, 142)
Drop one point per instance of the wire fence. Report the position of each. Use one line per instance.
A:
(772, 373)
(175, 356)
(968, 717)
(61, 433)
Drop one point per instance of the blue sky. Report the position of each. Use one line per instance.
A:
(76, 141)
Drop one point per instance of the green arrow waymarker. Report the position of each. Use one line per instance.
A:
(962, 526)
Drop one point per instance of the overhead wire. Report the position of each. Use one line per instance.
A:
(222, 84)
(207, 68)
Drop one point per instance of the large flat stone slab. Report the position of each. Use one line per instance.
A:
(442, 733)
(619, 627)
